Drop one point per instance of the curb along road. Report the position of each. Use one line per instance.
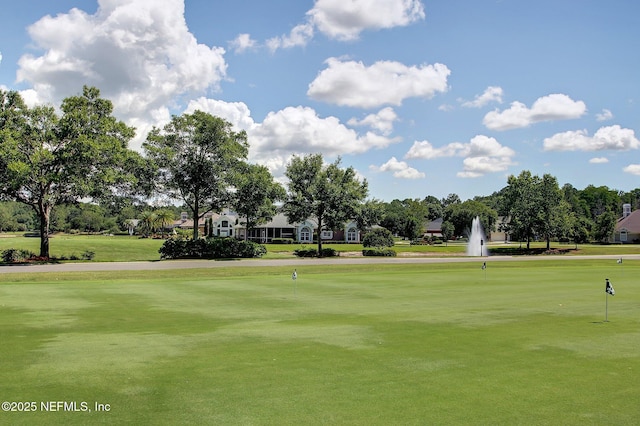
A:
(195, 264)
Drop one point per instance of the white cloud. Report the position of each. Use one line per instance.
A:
(633, 169)
(400, 169)
(599, 160)
(547, 108)
(350, 83)
(300, 130)
(604, 115)
(300, 35)
(345, 20)
(382, 121)
(236, 113)
(491, 94)
(474, 167)
(606, 138)
(483, 155)
(140, 54)
(242, 43)
(424, 150)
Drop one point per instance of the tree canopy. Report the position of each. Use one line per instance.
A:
(196, 157)
(328, 193)
(47, 160)
(255, 194)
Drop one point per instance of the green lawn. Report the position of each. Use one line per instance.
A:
(125, 248)
(106, 248)
(517, 343)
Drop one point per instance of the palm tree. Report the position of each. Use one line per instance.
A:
(164, 218)
(148, 222)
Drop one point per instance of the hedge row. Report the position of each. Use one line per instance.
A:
(210, 248)
(379, 252)
(311, 252)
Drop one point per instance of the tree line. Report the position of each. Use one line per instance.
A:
(53, 161)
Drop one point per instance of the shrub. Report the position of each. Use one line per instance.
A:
(210, 248)
(329, 252)
(16, 255)
(304, 252)
(379, 238)
(379, 252)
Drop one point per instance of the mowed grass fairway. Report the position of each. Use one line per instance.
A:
(517, 343)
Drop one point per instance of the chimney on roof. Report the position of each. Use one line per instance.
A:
(626, 210)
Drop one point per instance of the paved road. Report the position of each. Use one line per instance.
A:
(190, 264)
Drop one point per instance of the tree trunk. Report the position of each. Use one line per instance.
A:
(319, 236)
(196, 219)
(44, 211)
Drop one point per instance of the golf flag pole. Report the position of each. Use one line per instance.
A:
(484, 268)
(294, 277)
(608, 290)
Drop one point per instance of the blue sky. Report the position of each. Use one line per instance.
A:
(420, 97)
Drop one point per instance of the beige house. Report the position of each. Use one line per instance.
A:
(227, 224)
(628, 227)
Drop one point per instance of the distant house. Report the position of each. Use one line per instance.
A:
(280, 228)
(228, 224)
(500, 235)
(628, 227)
(434, 228)
(223, 223)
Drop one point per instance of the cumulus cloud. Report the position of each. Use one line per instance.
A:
(633, 169)
(491, 94)
(140, 54)
(236, 113)
(482, 154)
(382, 121)
(299, 130)
(606, 138)
(242, 43)
(599, 160)
(351, 83)
(604, 115)
(400, 169)
(547, 108)
(299, 36)
(345, 20)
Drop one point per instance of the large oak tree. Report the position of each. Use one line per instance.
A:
(327, 193)
(46, 159)
(196, 156)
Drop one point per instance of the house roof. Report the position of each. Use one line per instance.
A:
(435, 225)
(631, 223)
(279, 221)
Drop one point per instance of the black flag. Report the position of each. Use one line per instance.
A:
(609, 289)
